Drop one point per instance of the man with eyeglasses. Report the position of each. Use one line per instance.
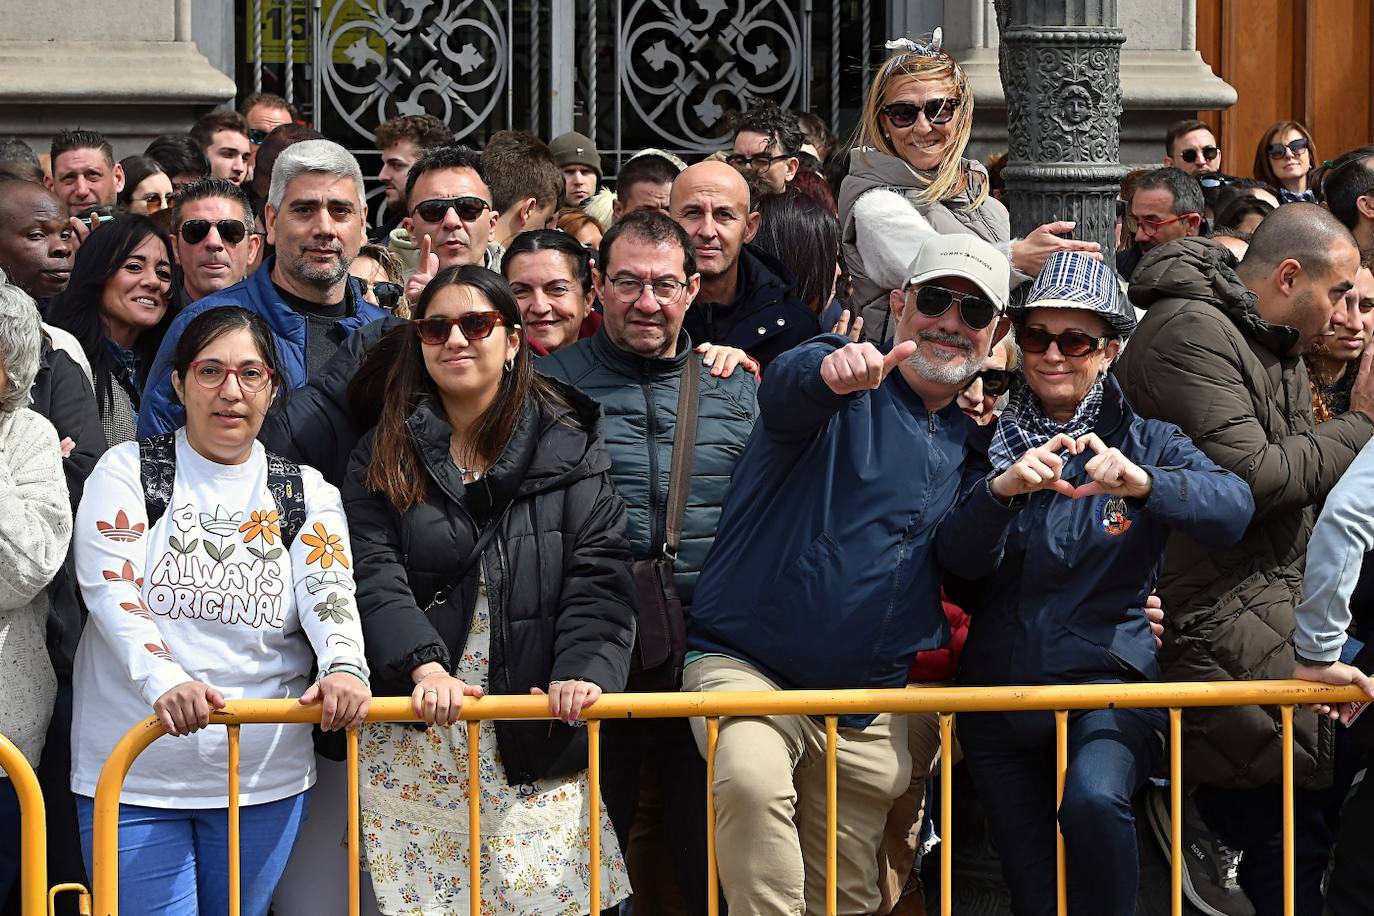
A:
(1191, 147)
(746, 296)
(262, 113)
(212, 238)
(634, 366)
(315, 217)
(1166, 204)
(823, 575)
(767, 140)
(449, 219)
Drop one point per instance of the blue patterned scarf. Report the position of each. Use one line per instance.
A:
(1024, 426)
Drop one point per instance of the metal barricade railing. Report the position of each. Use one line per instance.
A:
(946, 702)
(35, 897)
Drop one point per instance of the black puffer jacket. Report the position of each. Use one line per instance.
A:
(557, 573)
(1203, 359)
(639, 397)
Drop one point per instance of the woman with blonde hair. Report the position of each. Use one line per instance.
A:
(908, 179)
(1284, 158)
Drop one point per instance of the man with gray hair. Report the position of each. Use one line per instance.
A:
(316, 218)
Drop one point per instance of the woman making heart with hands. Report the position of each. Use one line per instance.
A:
(1041, 468)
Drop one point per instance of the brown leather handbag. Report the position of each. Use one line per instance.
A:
(661, 639)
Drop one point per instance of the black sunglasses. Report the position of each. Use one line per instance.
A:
(1208, 154)
(194, 231)
(474, 325)
(996, 382)
(256, 136)
(975, 311)
(937, 111)
(1070, 343)
(388, 294)
(758, 163)
(435, 209)
(1279, 150)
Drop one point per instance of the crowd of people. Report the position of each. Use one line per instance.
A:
(803, 414)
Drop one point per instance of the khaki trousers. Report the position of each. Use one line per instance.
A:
(901, 836)
(770, 801)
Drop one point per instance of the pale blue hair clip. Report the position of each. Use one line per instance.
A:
(914, 47)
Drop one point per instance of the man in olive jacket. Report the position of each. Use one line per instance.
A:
(1219, 354)
(633, 367)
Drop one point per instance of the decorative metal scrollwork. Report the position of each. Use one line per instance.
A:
(682, 72)
(446, 57)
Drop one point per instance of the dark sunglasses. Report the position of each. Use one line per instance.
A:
(975, 311)
(937, 111)
(758, 163)
(194, 231)
(467, 208)
(256, 136)
(1070, 343)
(996, 382)
(388, 294)
(474, 325)
(1208, 154)
(1279, 150)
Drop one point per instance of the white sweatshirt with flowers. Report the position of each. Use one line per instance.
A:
(209, 594)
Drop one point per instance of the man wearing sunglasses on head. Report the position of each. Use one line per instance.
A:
(315, 218)
(212, 238)
(1191, 147)
(449, 218)
(823, 576)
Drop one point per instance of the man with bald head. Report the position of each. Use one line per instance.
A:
(1219, 354)
(746, 297)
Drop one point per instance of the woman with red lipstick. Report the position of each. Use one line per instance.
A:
(1333, 363)
(492, 558)
(118, 306)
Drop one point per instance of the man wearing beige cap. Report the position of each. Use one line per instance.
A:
(823, 576)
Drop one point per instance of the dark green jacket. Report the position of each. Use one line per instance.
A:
(1203, 359)
(639, 400)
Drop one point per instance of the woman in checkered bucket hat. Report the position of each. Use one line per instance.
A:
(1053, 551)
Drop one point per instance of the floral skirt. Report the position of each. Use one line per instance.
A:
(535, 838)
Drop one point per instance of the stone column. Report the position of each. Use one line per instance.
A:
(1061, 72)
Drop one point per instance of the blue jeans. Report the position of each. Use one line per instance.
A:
(176, 863)
(1111, 754)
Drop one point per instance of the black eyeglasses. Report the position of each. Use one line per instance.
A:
(996, 382)
(1279, 150)
(474, 325)
(194, 231)
(256, 136)
(388, 294)
(975, 311)
(937, 111)
(1208, 154)
(1070, 343)
(758, 163)
(435, 209)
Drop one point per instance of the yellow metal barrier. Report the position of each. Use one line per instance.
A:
(945, 701)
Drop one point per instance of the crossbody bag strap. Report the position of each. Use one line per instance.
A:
(684, 444)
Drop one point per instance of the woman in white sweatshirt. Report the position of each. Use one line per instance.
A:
(37, 524)
(213, 570)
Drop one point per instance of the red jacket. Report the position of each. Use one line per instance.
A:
(939, 665)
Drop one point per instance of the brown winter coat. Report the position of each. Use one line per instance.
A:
(1202, 358)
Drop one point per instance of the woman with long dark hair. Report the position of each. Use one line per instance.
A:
(118, 306)
(801, 233)
(491, 557)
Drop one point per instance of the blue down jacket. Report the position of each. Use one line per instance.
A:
(1055, 586)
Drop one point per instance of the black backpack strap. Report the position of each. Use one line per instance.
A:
(288, 492)
(157, 472)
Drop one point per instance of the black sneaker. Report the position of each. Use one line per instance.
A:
(1210, 867)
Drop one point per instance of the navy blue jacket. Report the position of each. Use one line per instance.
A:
(823, 571)
(161, 413)
(1056, 586)
(766, 318)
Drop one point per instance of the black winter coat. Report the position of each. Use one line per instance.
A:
(557, 573)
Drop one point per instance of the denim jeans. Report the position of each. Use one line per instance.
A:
(9, 839)
(176, 863)
(1111, 754)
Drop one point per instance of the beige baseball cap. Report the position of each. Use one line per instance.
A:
(966, 256)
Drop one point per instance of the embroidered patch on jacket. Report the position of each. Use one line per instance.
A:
(1113, 516)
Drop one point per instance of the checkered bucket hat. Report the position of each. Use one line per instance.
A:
(1072, 280)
